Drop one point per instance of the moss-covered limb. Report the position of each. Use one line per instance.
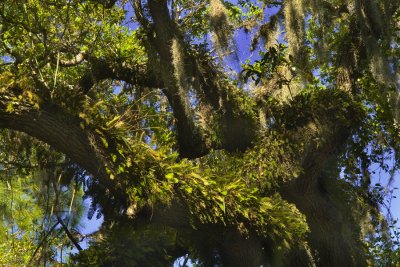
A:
(177, 195)
(184, 196)
(101, 69)
(327, 207)
(164, 40)
(317, 117)
(318, 123)
(21, 111)
(185, 69)
(233, 118)
(215, 197)
(317, 192)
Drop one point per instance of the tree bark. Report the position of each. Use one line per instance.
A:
(54, 126)
(335, 237)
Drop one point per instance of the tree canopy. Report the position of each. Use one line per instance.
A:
(227, 133)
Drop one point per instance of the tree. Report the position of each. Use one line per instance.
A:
(38, 211)
(263, 164)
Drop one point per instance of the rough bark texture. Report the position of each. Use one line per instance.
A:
(235, 126)
(56, 127)
(335, 238)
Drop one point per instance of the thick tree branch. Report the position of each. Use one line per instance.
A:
(190, 140)
(56, 127)
(116, 69)
(139, 13)
(236, 131)
(319, 194)
(139, 75)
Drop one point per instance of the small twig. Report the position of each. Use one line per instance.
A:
(76, 244)
(290, 91)
(56, 72)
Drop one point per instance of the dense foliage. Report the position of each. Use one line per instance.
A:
(193, 145)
